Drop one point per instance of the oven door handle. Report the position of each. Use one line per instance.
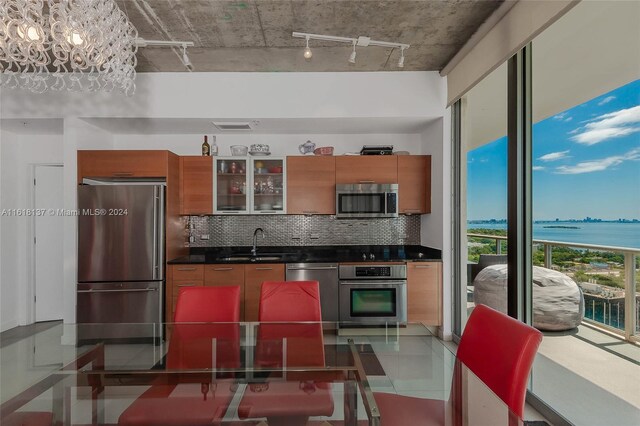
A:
(381, 283)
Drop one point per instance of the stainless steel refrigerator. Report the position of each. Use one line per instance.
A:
(120, 260)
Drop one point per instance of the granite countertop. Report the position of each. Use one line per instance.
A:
(310, 254)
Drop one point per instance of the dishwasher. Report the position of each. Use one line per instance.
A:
(327, 276)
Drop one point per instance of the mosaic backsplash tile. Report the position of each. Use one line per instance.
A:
(299, 230)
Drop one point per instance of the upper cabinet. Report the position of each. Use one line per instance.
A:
(367, 169)
(196, 179)
(311, 185)
(122, 164)
(414, 184)
(249, 185)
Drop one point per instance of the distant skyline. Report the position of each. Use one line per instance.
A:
(586, 163)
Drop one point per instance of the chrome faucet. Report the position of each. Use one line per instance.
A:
(254, 250)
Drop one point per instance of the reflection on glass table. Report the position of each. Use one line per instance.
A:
(230, 373)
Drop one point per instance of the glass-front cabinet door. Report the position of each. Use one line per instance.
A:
(232, 185)
(268, 185)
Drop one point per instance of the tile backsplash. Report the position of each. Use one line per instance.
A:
(299, 230)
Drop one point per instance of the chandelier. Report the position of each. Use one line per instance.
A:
(75, 45)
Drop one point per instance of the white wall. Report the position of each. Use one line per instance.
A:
(18, 154)
(248, 95)
(436, 227)
(279, 145)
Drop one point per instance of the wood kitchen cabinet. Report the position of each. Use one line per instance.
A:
(367, 169)
(196, 180)
(424, 292)
(123, 164)
(311, 185)
(255, 275)
(181, 276)
(414, 184)
(226, 275)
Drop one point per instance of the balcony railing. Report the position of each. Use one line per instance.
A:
(631, 329)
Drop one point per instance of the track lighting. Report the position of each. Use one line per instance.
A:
(352, 57)
(307, 51)
(361, 41)
(185, 59)
(401, 60)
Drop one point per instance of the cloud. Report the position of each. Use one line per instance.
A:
(562, 117)
(599, 165)
(554, 156)
(606, 100)
(538, 168)
(608, 126)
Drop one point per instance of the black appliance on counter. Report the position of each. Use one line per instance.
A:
(377, 150)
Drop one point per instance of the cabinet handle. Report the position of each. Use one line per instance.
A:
(366, 181)
(223, 269)
(268, 211)
(122, 174)
(414, 211)
(309, 212)
(229, 212)
(186, 269)
(423, 267)
(264, 269)
(187, 285)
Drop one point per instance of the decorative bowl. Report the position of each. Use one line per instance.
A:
(323, 150)
(275, 169)
(259, 147)
(239, 150)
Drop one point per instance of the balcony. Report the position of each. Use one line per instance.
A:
(590, 372)
(611, 293)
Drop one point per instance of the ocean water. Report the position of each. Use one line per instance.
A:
(598, 233)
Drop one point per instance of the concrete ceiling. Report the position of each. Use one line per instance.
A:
(255, 35)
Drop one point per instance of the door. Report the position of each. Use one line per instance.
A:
(119, 233)
(48, 235)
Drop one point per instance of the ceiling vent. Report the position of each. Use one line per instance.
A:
(233, 126)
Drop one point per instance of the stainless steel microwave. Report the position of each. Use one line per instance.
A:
(366, 200)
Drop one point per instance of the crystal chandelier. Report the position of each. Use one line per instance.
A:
(76, 45)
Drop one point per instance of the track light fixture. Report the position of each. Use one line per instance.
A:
(361, 41)
(185, 59)
(352, 57)
(307, 51)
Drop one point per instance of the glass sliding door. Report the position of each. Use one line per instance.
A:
(483, 196)
(586, 213)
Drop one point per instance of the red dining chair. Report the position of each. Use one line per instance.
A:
(497, 348)
(289, 402)
(190, 347)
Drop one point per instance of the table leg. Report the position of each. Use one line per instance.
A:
(58, 409)
(350, 401)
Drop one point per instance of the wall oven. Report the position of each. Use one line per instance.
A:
(373, 294)
(366, 200)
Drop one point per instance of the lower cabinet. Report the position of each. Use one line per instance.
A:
(181, 276)
(424, 292)
(248, 276)
(226, 275)
(254, 276)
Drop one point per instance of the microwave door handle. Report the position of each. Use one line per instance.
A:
(386, 202)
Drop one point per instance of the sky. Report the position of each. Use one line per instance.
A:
(586, 162)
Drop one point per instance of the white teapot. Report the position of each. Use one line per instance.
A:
(307, 147)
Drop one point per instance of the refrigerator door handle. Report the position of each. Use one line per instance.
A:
(124, 290)
(158, 232)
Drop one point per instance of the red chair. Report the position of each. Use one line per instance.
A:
(495, 347)
(293, 401)
(190, 347)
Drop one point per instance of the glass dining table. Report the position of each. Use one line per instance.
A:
(236, 373)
